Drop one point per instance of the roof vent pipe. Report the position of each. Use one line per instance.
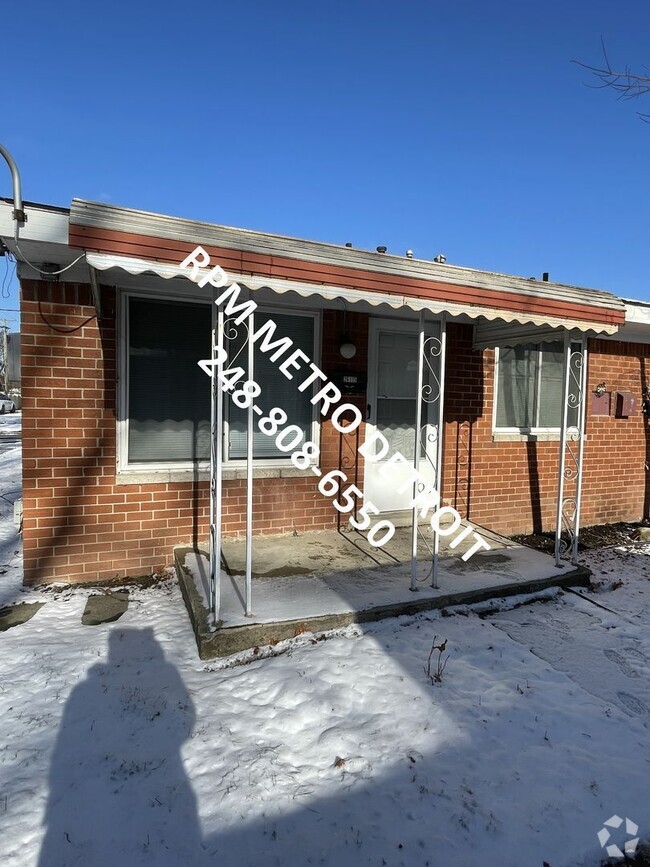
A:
(19, 213)
(545, 277)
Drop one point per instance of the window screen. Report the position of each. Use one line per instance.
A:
(169, 395)
(277, 390)
(551, 386)
(517, 387)
(530, 386)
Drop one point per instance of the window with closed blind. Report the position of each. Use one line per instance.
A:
(530, 383)
(168, 395)
(276, 389)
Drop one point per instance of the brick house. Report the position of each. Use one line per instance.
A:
(116, 411)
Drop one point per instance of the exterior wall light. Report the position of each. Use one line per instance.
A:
(347, 349)
(600, 389)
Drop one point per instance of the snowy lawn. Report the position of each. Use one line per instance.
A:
(11, 563)
(118, 746)
(11, 423)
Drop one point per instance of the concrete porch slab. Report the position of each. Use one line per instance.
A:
(320, 581)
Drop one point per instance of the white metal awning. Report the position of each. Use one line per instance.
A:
(532, 322)
(490, 334)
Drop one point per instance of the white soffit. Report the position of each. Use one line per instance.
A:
(104, 262)
(637, 323)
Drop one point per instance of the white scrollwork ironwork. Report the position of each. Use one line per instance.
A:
(571, 457)
(574, 399)
(430, 394)
(428, 443)
(231, 333)
(569, 513)
(571, 468)
(463, 466)
(428, 433)
(431, 349)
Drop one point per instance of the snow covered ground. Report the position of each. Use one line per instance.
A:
(119, 746)
(11, 564)
(10, 423)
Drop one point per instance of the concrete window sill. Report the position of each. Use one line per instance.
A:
(527, 437)
(157, 477)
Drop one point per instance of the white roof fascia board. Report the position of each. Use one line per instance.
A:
(43, 224)
(42, 238)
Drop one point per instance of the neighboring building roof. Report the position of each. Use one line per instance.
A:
(637, 322)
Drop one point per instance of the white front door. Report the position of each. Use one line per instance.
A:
(392, 401)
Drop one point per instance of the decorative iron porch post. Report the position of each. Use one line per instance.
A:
(430, 395)
(249, 472)
(572, 426)
(216, 465)
(440, 424)
(416, 454)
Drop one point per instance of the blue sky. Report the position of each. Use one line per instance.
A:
(456, 127)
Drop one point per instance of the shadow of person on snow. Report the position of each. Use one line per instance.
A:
(117, 786)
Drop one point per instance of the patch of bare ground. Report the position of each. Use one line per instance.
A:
(591, 538)
(142, 582)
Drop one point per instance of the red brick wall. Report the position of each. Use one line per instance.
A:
(617, 449)
(80, 525)
(511, 487)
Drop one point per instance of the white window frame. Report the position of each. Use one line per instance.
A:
(315, 426)
(123, 465)
(536, 430)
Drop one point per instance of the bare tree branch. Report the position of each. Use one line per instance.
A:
(626, 83)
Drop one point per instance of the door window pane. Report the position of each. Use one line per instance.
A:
(397, 380)
(397, 373)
